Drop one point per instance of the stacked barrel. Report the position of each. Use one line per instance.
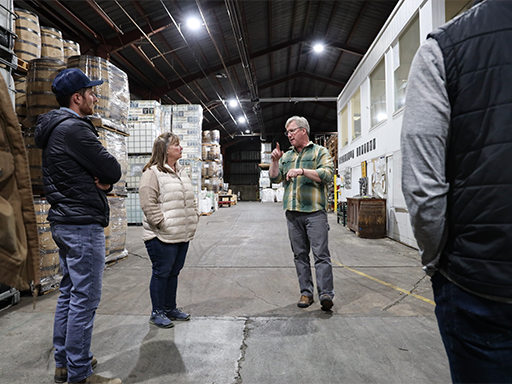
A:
(46, 53)
(42, 51)
(212, 171)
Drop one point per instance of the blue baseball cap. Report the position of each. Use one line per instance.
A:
(71, 80)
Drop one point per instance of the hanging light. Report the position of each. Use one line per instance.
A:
(318, 48)
(193, 23)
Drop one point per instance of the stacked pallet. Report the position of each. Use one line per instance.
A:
(112, 130)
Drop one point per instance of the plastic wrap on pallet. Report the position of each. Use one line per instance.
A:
(117, 231)
(133, 211)
(267, 195)
(113, 95)
(187, 124)
(166, 118)
(115, 143)
(193, 168)
(135, 166)
(96, 68)
(212, 184)
(144, 111)
(119, 96)
(49, 264)
(142, 137)
(212, 169)
(211, 137)
(211, 152)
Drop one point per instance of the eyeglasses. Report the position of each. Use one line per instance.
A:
(288, 133)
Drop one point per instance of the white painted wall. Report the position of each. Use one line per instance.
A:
(386, 133)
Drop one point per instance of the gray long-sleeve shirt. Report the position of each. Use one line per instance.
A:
(424, 141)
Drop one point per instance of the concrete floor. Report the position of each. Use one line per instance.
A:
(239, 285)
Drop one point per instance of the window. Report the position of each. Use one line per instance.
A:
(454, 8)
(355, 103)
(404, 52)
(344, 126)
(378, 94)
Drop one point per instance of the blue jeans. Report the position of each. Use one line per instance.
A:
(310, 231)
(82, 261)
(476, 332)
(168, 259)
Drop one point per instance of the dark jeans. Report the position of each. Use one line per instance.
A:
(168, 260)
(476, 332)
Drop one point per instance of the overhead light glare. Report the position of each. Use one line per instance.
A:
(241, 119)
(318, 48)
(247, 131)
(232, 103)
(193, 23)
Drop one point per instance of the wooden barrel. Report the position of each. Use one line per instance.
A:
(21, 98)
(207, 137)
(27, 45)
(51, 43)
(71, 48)
(96, 68)
(35, 160)
(49, 263)
(41, 72)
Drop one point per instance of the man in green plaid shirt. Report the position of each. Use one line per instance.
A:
(305, 170)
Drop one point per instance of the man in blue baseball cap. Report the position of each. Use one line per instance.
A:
(78, 172)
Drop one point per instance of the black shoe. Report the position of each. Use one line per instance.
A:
(326, 302)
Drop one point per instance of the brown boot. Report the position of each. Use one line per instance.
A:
(97, 379)
(61, 374)
(305, 301)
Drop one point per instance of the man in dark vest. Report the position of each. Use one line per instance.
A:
(456, 154)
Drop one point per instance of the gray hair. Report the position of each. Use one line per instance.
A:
(300, 121)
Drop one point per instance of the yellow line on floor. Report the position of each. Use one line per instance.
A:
(409, 293)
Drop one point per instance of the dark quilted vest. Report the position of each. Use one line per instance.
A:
(477, 51)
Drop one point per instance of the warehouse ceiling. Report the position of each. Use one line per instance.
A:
(258, 52)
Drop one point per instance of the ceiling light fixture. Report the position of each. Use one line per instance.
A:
(193, 23)
(318, 48)
(232, 103)
(241, 119)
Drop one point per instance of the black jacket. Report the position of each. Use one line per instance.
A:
(72, 157)
(478, 63)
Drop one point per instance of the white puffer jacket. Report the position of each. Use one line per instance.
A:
(170, 211)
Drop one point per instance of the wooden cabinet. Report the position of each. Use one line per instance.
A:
(367, 217)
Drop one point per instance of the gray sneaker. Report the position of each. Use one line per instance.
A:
(176, 314)
(160, 320)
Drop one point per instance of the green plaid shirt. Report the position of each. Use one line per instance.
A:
(300, 193)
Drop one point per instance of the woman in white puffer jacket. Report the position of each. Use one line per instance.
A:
(170, 221)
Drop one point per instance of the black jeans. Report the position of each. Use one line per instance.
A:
(168, 259)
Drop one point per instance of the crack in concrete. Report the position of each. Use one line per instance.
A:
(403, 296)
(243, 349)
(137, 255)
